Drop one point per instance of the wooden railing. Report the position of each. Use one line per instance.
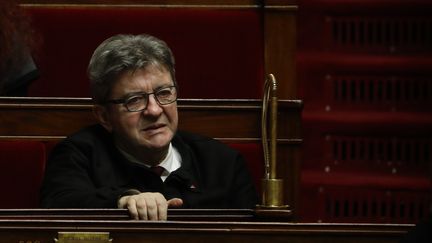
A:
(184, 226)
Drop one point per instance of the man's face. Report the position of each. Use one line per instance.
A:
(147, 130)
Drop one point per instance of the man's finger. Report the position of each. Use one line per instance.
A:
(142, 208)
(131, 206)
(152, 209)
(175, 203)
(162, 208)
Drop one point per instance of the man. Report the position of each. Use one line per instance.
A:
(112, 164)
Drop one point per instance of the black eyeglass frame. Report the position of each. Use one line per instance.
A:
(145, 95)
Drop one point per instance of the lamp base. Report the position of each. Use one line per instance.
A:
(272, 194)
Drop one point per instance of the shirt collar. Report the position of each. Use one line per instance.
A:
(170, 163)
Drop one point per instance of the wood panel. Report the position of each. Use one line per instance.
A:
(44, 226)
(280, 37)
(239, 215)
(147, 2)
(235, 120)
(168, 3)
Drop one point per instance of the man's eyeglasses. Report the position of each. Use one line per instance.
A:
(138, 102)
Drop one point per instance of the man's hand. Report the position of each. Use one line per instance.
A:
(148, 205)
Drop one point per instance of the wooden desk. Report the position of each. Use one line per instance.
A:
(185, 226)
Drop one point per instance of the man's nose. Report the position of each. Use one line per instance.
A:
(153, 107)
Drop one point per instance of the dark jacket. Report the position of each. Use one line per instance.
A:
(87, 171)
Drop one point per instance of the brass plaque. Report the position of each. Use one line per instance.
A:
(83, 237)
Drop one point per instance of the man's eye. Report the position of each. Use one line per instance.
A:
(164, 93)
(134, 100)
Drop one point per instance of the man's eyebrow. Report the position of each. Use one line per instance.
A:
(133, 93)
(130, 94)
(163, 86)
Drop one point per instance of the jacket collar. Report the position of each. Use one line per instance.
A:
(188, 171)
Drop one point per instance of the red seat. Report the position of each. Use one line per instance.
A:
(254, 156)
(22, 165)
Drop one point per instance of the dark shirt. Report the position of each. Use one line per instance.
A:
(86, 170)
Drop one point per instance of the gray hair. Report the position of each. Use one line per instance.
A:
(122, 53)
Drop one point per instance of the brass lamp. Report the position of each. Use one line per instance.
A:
(272, 187)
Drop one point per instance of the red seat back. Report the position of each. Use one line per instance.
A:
(254, 156)
(22, 165)
(219, 52)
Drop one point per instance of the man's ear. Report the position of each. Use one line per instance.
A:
(102, 115)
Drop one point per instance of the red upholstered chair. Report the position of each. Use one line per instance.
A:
(253, 154)
(22, 165)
